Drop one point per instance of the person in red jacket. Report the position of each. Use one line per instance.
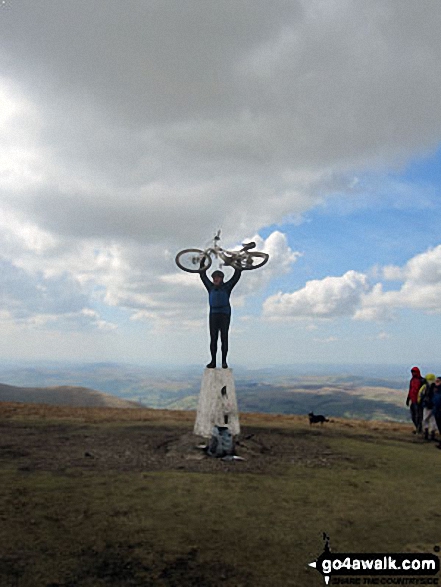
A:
(412, 399)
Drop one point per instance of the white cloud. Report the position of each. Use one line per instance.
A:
(280, 262)
(137, 129)
(330, 297)
(420, 289)
(20, 125)
(24, 235)
(353, 296)
(377, 305)
(392, 273)
(424, 268)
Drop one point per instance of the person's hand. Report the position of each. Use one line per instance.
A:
(408, 401)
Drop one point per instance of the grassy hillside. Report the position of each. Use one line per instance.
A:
(62, 396)
(99, 497)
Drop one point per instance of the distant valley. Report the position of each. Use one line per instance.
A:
(276, 391)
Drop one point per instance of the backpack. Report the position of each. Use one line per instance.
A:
(221, 442)
(425, 395)
(422, 390)
(428, 396)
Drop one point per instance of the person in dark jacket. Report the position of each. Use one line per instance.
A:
(220, 312)
(416, 410)
(436, 398)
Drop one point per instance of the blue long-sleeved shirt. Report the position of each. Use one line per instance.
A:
(219, 297)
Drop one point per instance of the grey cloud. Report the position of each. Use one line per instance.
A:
(25, 295)
(152, 124)
(306, 83)
(165, 118)
(350, 83)
(149, 60)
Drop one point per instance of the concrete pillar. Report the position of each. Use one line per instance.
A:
(217, 404)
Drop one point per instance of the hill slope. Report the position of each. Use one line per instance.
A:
(101, 497)
(64, 395)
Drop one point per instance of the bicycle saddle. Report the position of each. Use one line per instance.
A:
(248, 246)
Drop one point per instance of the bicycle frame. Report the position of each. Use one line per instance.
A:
(242, 259)
(227, 257)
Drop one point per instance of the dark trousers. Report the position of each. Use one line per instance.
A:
(219, 324)
(416, 413)
(438, 421)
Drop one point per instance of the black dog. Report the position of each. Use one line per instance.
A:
(315, 419)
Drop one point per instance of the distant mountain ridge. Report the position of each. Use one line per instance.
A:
(64, 395)
(372, 393)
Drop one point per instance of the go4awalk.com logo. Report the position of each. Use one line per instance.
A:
(376, 568)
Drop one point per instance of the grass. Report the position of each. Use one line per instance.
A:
(179, 528)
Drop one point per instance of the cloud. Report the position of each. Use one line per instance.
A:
(353, 296)
(131, 130)
(327, 298)
(280, 262)
(142, 280)
(224, 114)
(36, 301)
(377, 305)
(420, 289)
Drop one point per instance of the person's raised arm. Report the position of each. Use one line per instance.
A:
(236, 276)
(204, 278)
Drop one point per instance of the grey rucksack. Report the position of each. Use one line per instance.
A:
(221, 442)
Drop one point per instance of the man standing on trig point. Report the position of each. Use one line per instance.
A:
(198, 261)
(220, 311)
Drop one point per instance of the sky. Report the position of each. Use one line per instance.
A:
(130, 130)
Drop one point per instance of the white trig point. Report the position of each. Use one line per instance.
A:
(217, 404)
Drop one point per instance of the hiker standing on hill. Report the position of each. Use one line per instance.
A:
(412, 399)
(425, 399)
(220, 311)
(437, 405)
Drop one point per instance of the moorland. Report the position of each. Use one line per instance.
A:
(95, 497)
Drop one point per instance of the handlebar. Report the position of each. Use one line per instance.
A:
(248, 246)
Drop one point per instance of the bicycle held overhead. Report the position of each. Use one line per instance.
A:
(198, 260)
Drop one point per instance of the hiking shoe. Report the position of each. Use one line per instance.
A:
(211, 365)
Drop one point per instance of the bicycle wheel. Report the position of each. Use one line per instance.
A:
(250, 261)
(193, 260)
